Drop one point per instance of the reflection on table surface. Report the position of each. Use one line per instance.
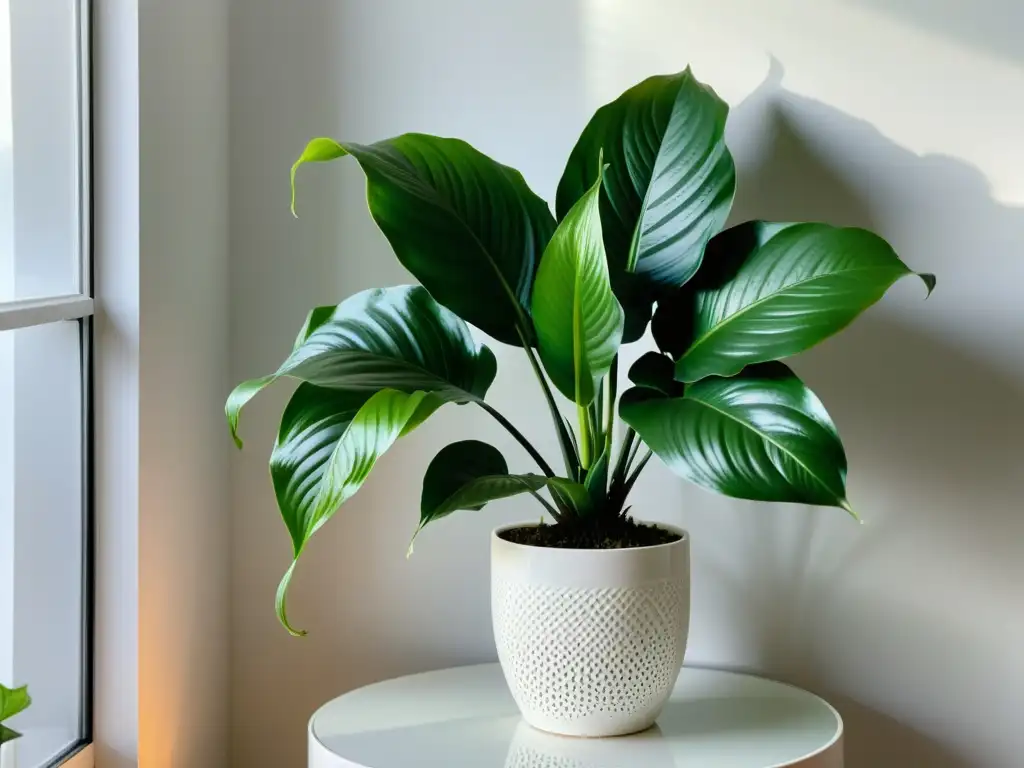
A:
(714, 719)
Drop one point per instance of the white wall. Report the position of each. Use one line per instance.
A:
(901, 116)
(163, 547)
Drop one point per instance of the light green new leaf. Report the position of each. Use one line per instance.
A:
(399, 338)
(578, 319)
(760, 435)
(768, 291)
(469, 474)
(469, 228)
(327, 444)
(12, 701)
(669, 186)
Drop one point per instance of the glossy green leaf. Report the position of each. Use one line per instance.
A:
(327, 444)
(578, 319)
(13, 701)
(760, 435)
(467, 227)
(669, 186)
(469, 474)
(768, 291)
(399, 338)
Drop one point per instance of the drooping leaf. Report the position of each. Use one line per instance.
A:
(578, 319)
(668, 189)
(399, 338)
(768, 291)
(760, 435)
(13, 701)
(469, 474)
(467, 227)
(327, 444)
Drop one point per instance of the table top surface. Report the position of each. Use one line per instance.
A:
(466, 718)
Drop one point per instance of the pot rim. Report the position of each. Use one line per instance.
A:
(684, 538)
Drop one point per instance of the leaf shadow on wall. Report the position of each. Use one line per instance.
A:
(933, 436)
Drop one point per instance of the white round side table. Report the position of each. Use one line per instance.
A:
(465, 718)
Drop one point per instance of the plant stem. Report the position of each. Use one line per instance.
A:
(585, 436)
(568, 455)
(544, 466)
(612, 382)
(622, 463)
(633, 451)
(636, 472)
(555, 514)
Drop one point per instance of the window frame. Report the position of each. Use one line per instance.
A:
(80, 308)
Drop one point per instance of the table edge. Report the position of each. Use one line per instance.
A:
(822, 751)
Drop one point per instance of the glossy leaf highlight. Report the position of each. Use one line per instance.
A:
(768, 291)
(328, 443)
(468, 227)
(668, 189)
(397, 338)
(578, 319)
(760, 435)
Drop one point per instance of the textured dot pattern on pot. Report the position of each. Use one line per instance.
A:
(590, 640)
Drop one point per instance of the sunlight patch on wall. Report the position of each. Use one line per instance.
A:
(928, 93)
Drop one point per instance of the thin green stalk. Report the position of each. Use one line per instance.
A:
(622, 464)
(595, 417)
(555, 514)
(612, 382)
(568, 455)
(544, 466)
(634, 450)
(586, 449)
(636, 472)
(572, 437)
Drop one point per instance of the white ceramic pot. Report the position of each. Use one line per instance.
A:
(9, 754)
(590, 640)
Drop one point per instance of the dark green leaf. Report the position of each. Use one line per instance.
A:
(669, 186)
(468, 474)
(596, 482)
(399, 338)
(454, 468)
(761, 435)
(579, 321)
(7, 734)
(769, 291)
(655, 371)
(327, 444)
(13, 701)
(466, 226)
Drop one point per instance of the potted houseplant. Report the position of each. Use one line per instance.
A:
(12, 701)
(590, 611)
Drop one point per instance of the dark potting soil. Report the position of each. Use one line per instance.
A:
(614, 533)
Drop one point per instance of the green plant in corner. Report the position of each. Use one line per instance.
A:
(639, 240)
(12, 701)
